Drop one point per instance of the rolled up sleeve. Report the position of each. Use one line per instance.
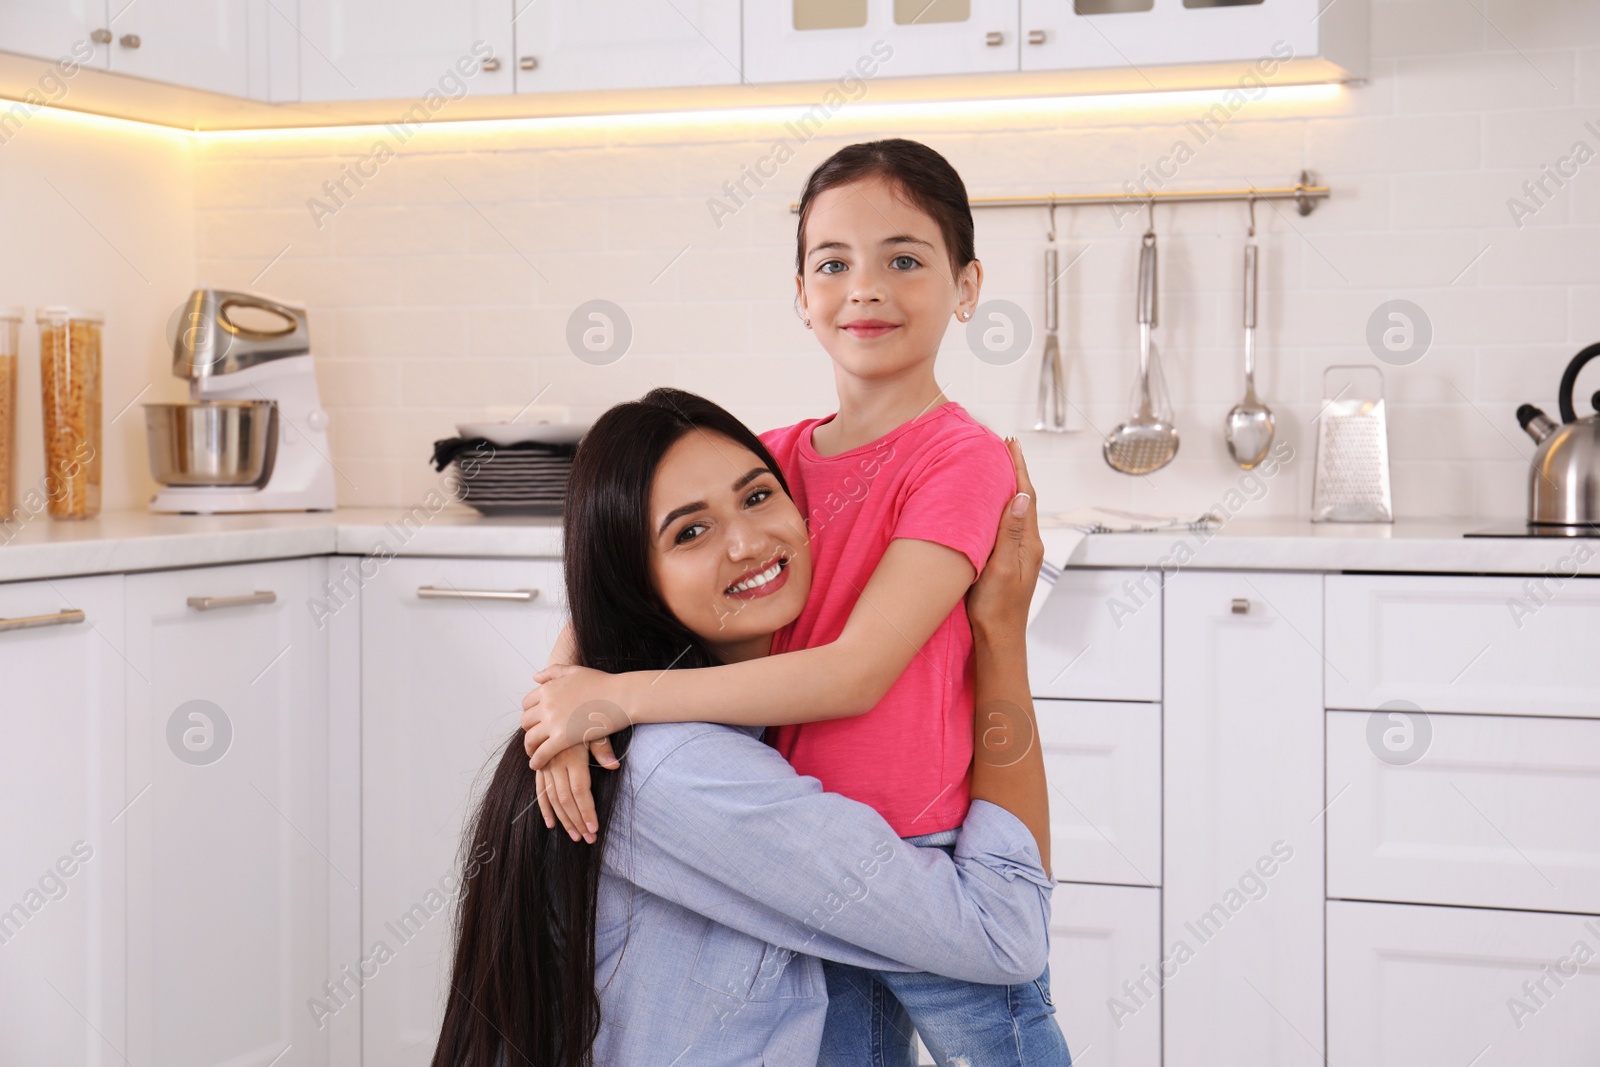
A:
(723, 826)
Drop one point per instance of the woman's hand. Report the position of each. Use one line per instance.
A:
(572, 706)
(997, 603)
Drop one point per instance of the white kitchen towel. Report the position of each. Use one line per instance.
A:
(1072, 529)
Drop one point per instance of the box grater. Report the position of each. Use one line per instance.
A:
(1351, 481)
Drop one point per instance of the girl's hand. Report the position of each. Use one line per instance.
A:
(998, 601)
(563, 790)
(572, 705)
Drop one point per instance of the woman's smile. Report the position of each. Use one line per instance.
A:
(756, 584)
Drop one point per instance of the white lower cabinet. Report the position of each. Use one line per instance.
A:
(1105, 957)
(1242, 873)
(229, 880)
(1412, 986)
(1485, 810)
(1098, 637)
(1469, 643)
(1103, 762)
(448, 648)
(62, 969)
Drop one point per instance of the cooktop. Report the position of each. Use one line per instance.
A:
(1530, 530)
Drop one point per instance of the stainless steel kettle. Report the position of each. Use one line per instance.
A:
(1564, 477)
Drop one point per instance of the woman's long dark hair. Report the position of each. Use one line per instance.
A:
(523, 980)
(925, 178)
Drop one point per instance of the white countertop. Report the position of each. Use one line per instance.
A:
(139, 540)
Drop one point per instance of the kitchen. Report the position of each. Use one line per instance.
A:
(491, 213)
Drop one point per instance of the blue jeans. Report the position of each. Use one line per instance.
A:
(872, 1015)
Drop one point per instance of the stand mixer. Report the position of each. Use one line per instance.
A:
(253, 436)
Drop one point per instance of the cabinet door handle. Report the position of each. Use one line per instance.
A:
(1241, 605)
(428, 592)
(528, 63)
(129, 40)
(994, 38)
(31, 622)
(211, 603)
(491, 63)
(1036, 37)
(101, 36)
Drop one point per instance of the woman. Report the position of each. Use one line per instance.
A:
(693, 932)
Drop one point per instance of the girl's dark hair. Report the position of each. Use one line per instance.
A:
(523, 980)
(925, 178)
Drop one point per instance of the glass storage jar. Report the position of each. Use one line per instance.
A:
(10, 320)
(69, 380)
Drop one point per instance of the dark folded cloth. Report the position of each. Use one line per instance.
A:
(448, 449)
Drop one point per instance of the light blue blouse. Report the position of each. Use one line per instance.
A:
(728, 877)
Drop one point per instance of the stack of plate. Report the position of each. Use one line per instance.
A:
(505, 475)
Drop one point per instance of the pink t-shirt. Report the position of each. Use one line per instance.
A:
(941, 477)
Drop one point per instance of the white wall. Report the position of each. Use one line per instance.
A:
(444, 285)
(98, 214)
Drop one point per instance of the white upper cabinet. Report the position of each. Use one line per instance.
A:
(623, 44)
(817, 40)
(427, 51)
(51, 29)
(203, 46)
(1134, 34)
(242, 48)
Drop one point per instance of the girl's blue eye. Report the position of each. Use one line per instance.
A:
(822, 267)
(902, 255)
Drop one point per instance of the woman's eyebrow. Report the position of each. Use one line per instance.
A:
(700, 505)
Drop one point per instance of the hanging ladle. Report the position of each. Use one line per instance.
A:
(1148, 441)
(1249, 427)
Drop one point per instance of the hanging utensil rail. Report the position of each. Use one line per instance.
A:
(1305, 193)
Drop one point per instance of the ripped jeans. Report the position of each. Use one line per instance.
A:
(872, 1015)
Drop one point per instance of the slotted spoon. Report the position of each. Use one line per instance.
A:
(1148, 441)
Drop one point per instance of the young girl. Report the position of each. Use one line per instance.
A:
(899, 488)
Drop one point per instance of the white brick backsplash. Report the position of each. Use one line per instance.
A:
(1494, 81)
(1427, 26)
(1394, 144)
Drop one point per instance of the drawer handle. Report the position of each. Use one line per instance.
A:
(1241, 605)
(211, 603)
(490, 64)
(1036, 37)
(33, 622)
(428, 592)
(994, 38)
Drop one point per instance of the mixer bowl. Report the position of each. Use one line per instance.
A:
(212, 442)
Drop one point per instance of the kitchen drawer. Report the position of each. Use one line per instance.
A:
(1472, 644)
(1410, 986)
(1102, 937)
(1098, 637)
(1103, 762)
(1497, 812)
